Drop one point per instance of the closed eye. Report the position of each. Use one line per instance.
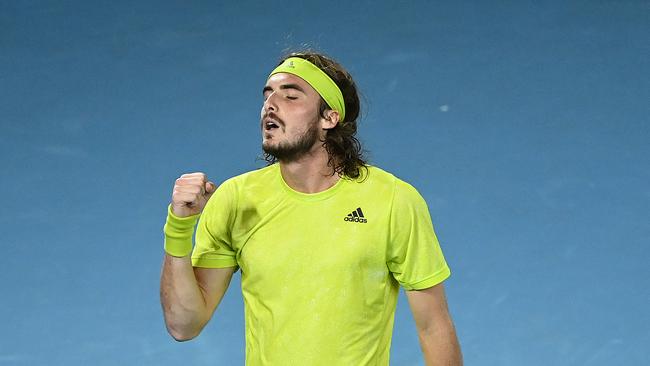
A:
(266, 92)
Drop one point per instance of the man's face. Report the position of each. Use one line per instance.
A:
(290, 118)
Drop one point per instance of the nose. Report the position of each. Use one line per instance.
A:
(269, 103)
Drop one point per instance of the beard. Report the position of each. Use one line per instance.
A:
(289, 151)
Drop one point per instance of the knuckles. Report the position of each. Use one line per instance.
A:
(192, 179)
(190, 184)
(189, 189)
(195, 175)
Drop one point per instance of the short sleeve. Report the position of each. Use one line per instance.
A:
(414, 255)
(213, 244)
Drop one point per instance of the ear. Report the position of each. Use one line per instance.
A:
(330, 120)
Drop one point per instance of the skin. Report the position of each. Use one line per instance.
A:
(436, 331)
(294, 105)
(189, 296)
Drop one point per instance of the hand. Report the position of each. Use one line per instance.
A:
(191, 193)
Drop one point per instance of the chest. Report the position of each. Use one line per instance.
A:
(315, 239)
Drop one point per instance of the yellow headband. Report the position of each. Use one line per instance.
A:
(318, 79)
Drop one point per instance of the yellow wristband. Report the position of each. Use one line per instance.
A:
(178, 233)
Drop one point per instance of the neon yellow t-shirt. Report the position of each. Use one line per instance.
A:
(320, 273)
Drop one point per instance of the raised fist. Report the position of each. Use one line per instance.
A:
(191, 193)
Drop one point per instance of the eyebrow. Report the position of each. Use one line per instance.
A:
(285, 86)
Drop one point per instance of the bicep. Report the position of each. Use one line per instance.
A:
(429, 308)
(213, 283)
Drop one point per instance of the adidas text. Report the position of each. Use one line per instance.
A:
(355, 219)
(356, 216)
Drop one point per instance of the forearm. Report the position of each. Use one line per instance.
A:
(440, 347)
(182, 299)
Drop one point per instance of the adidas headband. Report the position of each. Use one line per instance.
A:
(317, 78)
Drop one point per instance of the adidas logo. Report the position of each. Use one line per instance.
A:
(356, 216)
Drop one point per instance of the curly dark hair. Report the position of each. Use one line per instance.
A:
(344, 149)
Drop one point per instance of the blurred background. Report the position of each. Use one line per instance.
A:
(523, 124)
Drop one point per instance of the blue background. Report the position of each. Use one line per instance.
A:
(524, 125)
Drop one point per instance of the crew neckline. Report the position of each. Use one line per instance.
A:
(329, 192)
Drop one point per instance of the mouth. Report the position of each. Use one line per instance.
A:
(270, 124)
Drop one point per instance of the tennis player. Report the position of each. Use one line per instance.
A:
(323, 239)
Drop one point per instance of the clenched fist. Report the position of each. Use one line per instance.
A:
(191, 193)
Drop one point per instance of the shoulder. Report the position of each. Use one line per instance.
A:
(229, 190)
(376, 176)
(381, 185)
(371, 176)
(257, 176)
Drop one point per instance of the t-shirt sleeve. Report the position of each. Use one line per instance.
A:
(414, 255)
(213, 244)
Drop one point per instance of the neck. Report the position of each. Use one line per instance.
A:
(310, 173)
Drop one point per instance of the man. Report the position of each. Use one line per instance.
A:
(322, 239)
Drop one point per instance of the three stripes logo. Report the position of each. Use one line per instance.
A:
(356, 216)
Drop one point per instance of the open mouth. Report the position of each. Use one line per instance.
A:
(270, 125)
